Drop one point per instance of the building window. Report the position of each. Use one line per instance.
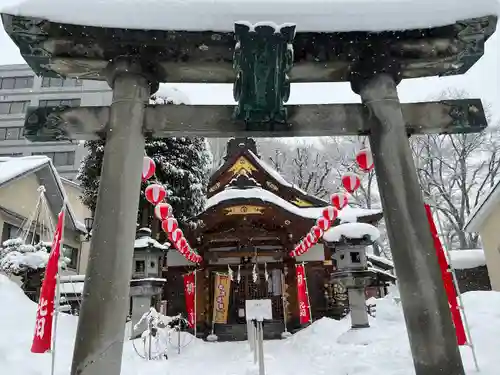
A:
(59, 158)
(9, 108)
(10, 231)
(12, 83)
(59, 102)
(61, 82)
(11, 133)
(72, 254)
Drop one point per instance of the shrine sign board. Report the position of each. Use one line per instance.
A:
(258, 309)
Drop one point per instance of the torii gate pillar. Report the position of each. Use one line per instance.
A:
(101, 326)
(426, 311)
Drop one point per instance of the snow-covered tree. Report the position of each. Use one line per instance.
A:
(27, 261)
(455, 172)
(182, 166)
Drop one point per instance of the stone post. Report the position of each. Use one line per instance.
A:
(101, 326)
(357, 303)
(426, 311)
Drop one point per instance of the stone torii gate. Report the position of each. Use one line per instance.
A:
(266, 60)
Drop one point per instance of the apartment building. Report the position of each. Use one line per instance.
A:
(19, 89)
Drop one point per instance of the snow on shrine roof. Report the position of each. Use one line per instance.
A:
(348, 214)
(380, 259)
(465, 259)
(275, 174)
(351, 231)
(13, 168)
(483, 210)
(146, 241)
(270, 170)
(383, 272)
(220, 15)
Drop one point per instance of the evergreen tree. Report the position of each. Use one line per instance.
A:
(182, 167)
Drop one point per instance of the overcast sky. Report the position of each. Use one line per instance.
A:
(482, 81)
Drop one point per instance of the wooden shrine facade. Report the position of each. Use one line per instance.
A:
(253, 219)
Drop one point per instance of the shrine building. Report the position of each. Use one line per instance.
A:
(252, 220)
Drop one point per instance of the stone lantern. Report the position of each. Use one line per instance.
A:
(146, 286)
(353, 272)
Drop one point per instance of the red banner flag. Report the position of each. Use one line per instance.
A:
(448, 281)
(302, 294)
(42, 339)
(190, 294)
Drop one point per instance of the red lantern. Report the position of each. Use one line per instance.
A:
(180, 246)
(182, 242)
(304, 247)
(330, 213)
(148, 168)
(364, 159)
(351, 182)
(323, 223)
(162, 210)
(169, 225)
(317, 231)
(176, 235)
(312, 238)
(339, 200)
(155, 193)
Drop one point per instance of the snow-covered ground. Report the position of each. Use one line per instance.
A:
(327, 347)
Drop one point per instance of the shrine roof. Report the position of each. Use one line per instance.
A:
(220, 15)
(346, 215)
(244, 160)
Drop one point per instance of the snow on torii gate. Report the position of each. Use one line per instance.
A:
(134, 61)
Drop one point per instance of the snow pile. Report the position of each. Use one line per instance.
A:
(17, 325)
(465, 259)
(351, 231)
(220, 15)
(326, 346)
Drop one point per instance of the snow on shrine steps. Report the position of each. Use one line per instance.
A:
(347, 214)
(220, 15)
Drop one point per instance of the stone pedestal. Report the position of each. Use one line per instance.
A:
(141, 293)
(355, 282)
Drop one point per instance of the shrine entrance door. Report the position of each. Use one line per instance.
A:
(247, 289)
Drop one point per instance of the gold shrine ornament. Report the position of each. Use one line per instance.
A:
(245, 210)
(301, 203)
(242, 166)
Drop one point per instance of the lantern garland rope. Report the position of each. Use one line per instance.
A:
(156, 194)
(350, 182)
